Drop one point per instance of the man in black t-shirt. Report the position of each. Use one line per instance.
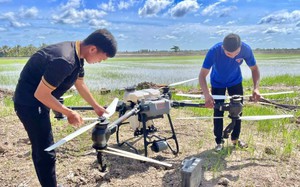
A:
(47, 75)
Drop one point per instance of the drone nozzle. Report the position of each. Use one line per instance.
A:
(158, 146)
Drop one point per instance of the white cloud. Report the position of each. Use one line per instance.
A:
(217, 10)
(29, 13)
(8, 16)
(41, 37)
(126, 4)
(209, 10)
(230, 22)
(95, 23)
(109, 7)
(18, 24)
(184, 7)
(153, 7)
(121, 37)
(168, 37)
(2, 29)
(273, 30)
(71, 4)
(281, 17)
(71, 14)
(14, 18)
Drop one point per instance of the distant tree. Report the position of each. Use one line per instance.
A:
(43, 45)
(4, 50)
(175, 48)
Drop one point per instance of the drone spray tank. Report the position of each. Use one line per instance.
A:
(131, 98)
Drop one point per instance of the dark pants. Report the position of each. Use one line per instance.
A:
(36, 121)
(218, 123)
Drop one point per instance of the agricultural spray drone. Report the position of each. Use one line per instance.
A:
(140, 107)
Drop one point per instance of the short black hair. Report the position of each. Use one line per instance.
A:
(103, 40)
(232, 42)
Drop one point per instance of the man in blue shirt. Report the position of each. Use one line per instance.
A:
(224, 60)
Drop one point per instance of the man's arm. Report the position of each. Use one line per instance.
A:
(209, 101)
(256, 79)
(43, 94)
(87, 96)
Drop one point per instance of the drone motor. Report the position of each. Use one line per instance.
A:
(100, 134)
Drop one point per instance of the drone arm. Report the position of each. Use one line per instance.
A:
(113, 126)
(183, 104)
(81, 108)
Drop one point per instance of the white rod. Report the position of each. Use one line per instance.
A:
(137, 157)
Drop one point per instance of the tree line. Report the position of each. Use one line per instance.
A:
(26, 51)
(19, 51)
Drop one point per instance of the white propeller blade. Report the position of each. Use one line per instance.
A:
(275, 93)
(178, 83)
(192, 95)
(133, 156)
(255, 118)
(71, 136)
(202, 117)
(248, 118)
(202, 96)
(111, 109)
(89, 119)
(228, 97)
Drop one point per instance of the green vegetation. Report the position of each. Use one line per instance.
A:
(283, 134)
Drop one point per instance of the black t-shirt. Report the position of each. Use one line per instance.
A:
(57, 64)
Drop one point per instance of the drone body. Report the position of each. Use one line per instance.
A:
(151, 105)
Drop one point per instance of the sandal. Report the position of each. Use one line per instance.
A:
(240, 144)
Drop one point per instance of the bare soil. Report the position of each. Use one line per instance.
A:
(262, 164)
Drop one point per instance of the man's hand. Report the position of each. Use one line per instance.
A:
(100, 110)
(209, 101)
(75, 119)
(255, 95)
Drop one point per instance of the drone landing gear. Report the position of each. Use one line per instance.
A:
(159, 144)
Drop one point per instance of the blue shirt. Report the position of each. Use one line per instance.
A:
(226, 71)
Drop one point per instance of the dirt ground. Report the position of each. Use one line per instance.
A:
(258, 165)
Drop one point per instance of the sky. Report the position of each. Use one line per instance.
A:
(152, 24)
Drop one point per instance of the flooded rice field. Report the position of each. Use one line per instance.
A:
(119, 74)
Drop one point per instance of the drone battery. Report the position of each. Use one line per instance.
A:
(191, 172)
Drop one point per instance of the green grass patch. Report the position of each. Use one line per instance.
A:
(7, 107)
(13, 60)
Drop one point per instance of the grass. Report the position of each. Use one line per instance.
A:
(283, 135)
